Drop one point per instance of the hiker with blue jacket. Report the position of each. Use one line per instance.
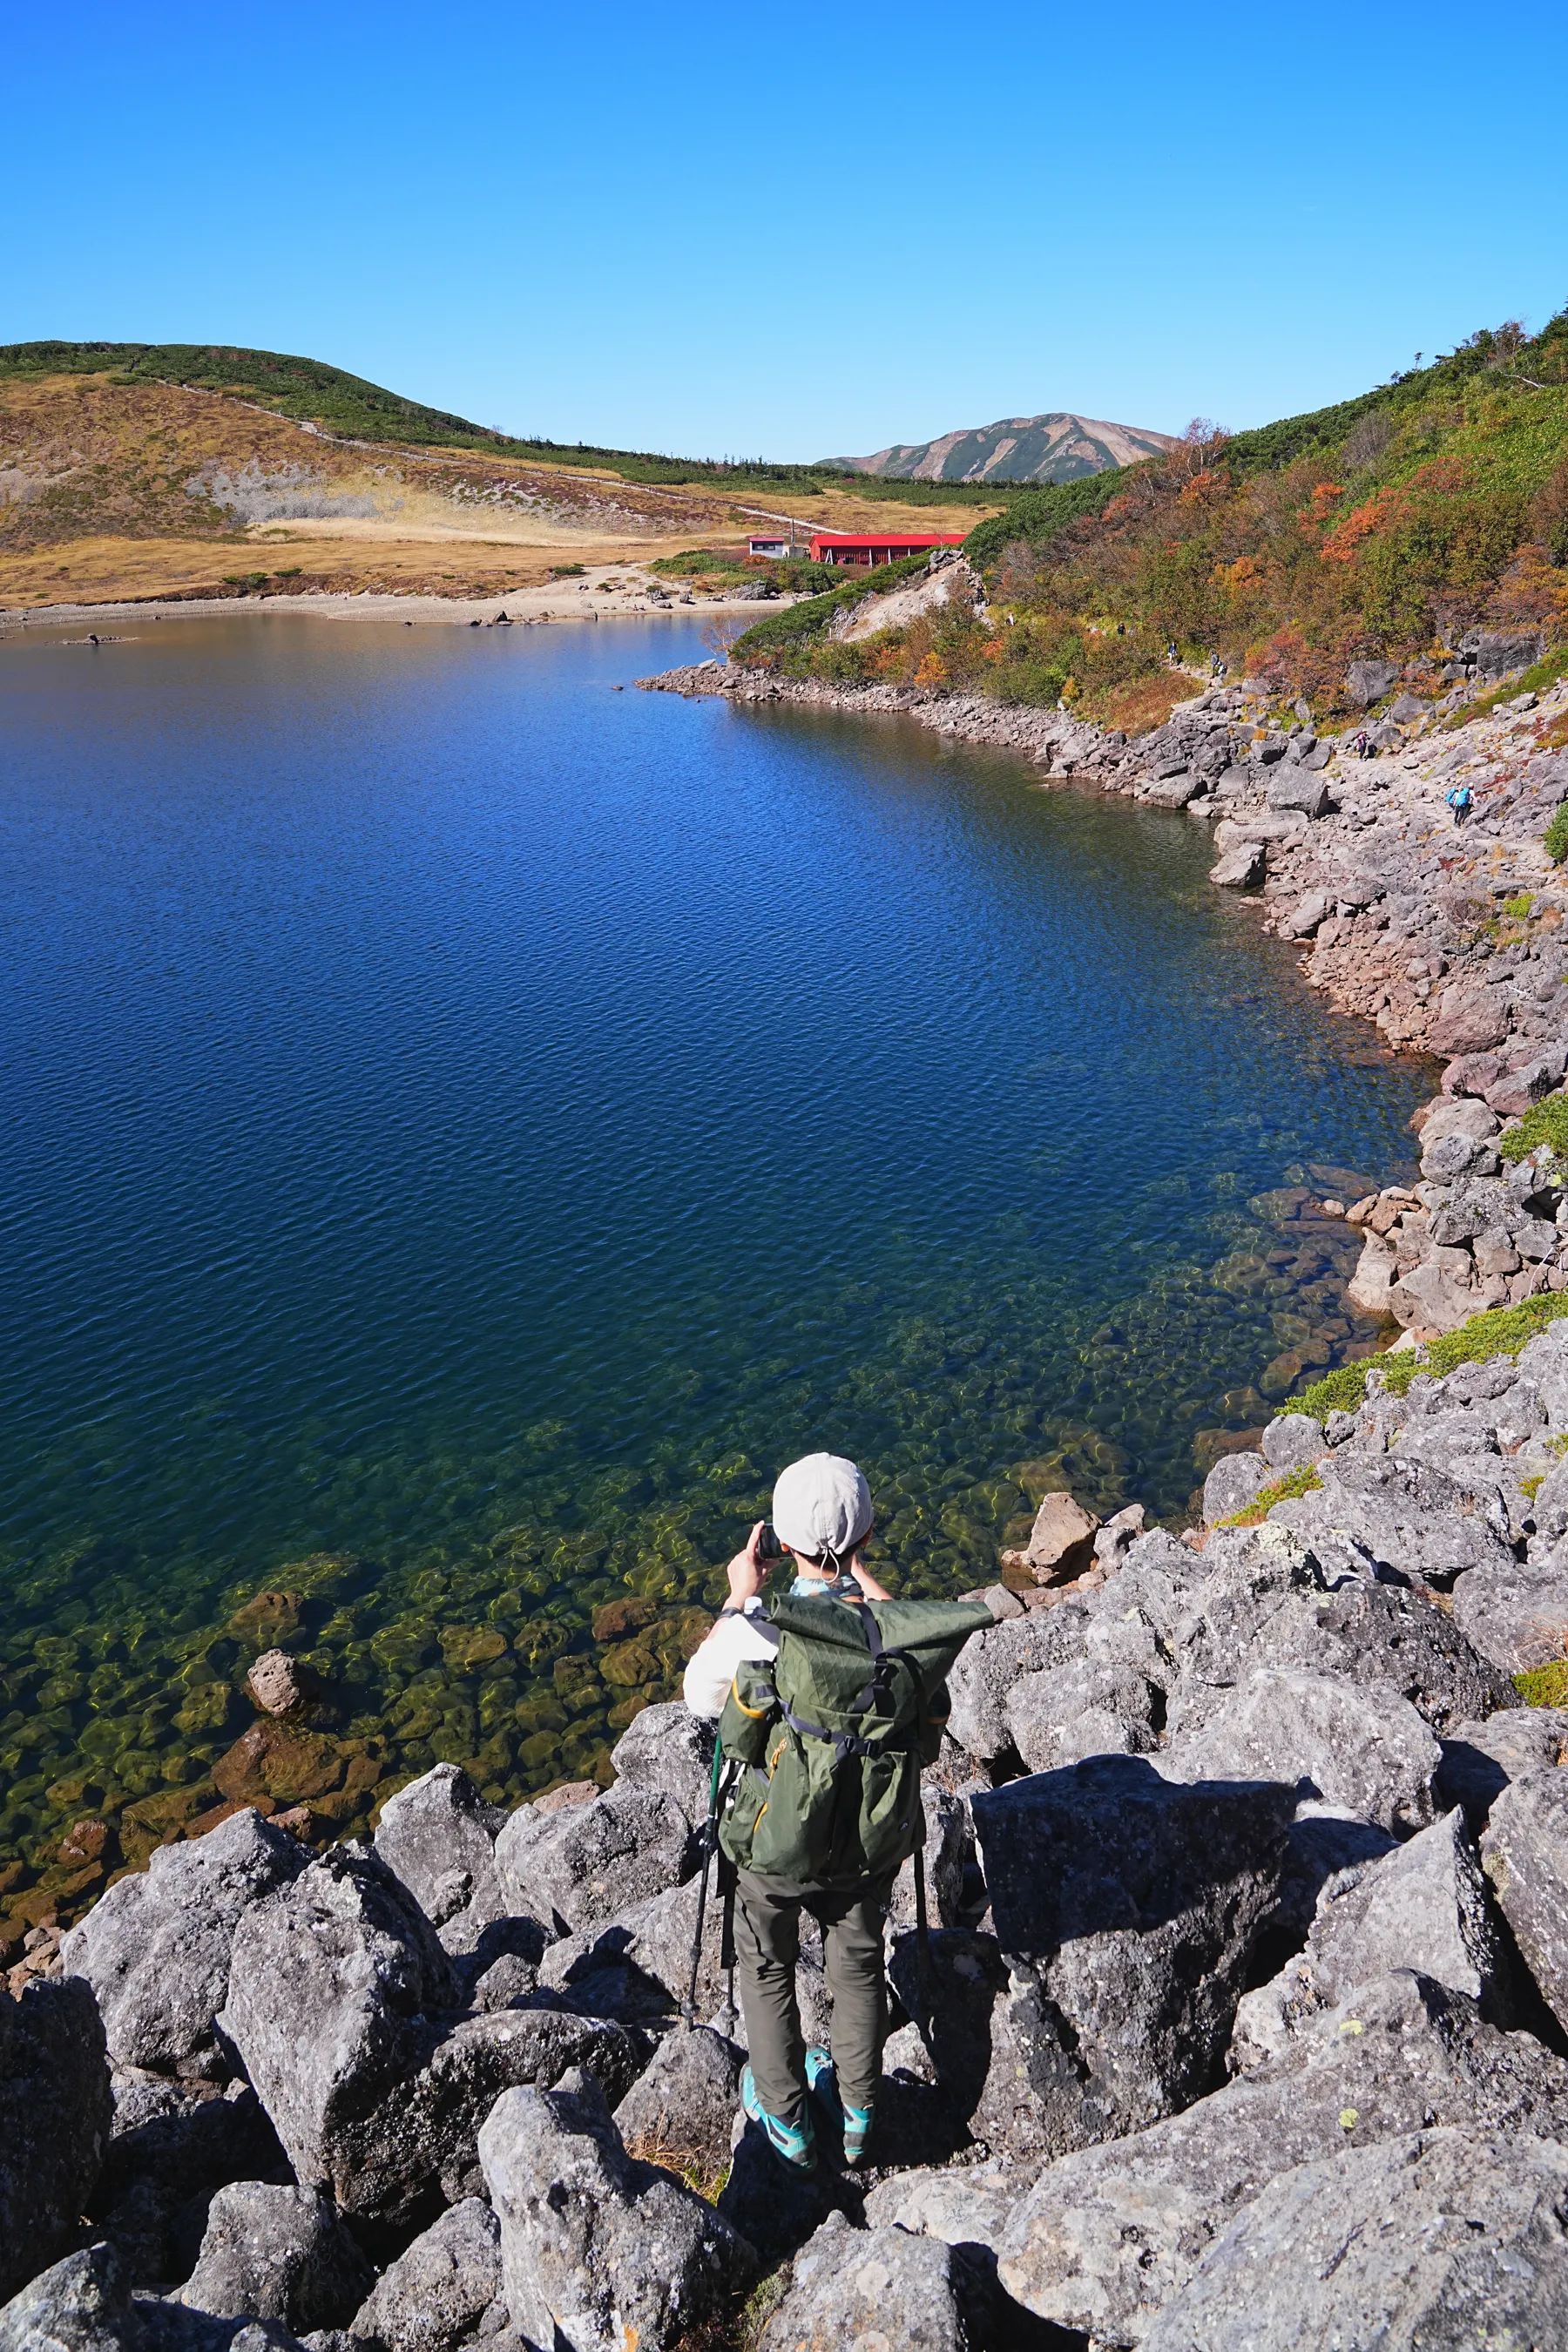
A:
(828, 1700)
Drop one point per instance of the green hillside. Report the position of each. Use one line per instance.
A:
(1385, 525)
(310, 392)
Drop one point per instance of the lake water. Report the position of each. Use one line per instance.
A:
(467, 1128)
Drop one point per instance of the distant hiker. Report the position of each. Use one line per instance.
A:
(1362, 744)
(828, 1701)
(92, 637)
(1459, 800)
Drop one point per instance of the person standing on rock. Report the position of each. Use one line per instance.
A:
(827, 1701)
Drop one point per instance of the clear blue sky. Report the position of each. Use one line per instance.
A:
(795, 230)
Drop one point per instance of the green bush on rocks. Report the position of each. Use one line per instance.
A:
(1500, 1331)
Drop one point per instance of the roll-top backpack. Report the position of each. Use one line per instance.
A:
(831, 1733)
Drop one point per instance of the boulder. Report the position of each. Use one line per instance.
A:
(277, 2253)
(1083, 1708)
(1235, 1481)
(1061, 1542)
(1242, 867)
(81, 2304)
(1359, 1745)
(1291, 1440)
(1126, 1906)
(1295, 787)
(870, 2287)
(439, 1836)
(334, 1995)
(434, 2295)
(639, 1965)
(668, 1748)
(1306, 914)
(1517, 1617)
(1480, 1759)
(989, 1664)
(1368, 681)
(1451, 2238)
(1397, 1515)
(173, 2146)
(682, 2108)
(155, 1949)
(55, 2115)
(1107, 2235)
(1377, 1270)
(1471, 1017)
(279, 1683)
(1117, 1535)
(597, 2247)
(1423, 1905)
(1525, 1854)
(577, 1866)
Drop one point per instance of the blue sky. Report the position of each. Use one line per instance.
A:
(797, 231)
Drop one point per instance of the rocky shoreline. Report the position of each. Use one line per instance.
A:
(1243, 2021)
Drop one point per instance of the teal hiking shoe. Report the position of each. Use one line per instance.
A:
(793, 2144)
(855, 2123)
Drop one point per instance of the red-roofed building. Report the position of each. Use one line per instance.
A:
(878, 547)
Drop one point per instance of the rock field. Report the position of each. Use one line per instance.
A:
(1244, 2020)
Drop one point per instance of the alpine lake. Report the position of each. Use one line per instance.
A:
(467, 1127)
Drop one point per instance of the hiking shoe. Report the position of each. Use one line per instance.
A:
(794, 2145)
(854, 2123)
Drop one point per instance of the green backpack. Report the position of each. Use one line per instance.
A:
(831, 1735)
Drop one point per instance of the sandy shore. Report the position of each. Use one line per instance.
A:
(606, 591)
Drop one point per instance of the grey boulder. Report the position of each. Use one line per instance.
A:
(1423, 1905)
(1443, 2239)
(579, 1864)
(1235, 1480)
(438, 2289)
(1368, 681)
(1480, 1759)
(277, 2253)
(682, 2107)
(155, 1948)
(81, 2304)
(1516, 1617)
(1107, 2236)
(1126, 1908)
(173, 2146)
(1399, 1515)
(598, 2250)
(55, 2114)
(866, 2287)
(668, 1748)
(1361, 1746)
(1083, 1708)
(335, 1996)
(1525, 1856)
(439, 1836)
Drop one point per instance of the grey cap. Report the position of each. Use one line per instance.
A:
(822, 1503)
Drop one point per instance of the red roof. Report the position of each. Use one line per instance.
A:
(888, 539)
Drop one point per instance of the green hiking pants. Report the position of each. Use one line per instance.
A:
(767, 1946)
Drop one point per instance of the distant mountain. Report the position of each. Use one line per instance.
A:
(1057, 447)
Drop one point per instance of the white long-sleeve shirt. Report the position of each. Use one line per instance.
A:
(736, 1637)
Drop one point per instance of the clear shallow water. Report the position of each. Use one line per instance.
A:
(467, 1128)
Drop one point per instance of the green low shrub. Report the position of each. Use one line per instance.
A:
(1519, 907)
(1303, 1481)
(1546, 1123)
(1500, 1331)
(1554, 840)
(1544, 1686)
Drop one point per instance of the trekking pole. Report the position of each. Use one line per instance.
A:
(709, 1847)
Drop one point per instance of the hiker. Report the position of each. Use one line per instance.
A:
(1459, 800)
(827, 1701)
(1363, 745)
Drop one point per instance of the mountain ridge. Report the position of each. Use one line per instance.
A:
(1056, 445)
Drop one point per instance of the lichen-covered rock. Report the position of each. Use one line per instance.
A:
(1126, 1906)
(438, 2289)
(1450, 2238)
(1359, 1745)
(858, 2287)
(273, 2253)
(1480, 1759)
(155, 1949)
(55, 2114)
(1399, 1515)
(439, 1836)
(1423, 1905)
(1525, 1856)
(582, 1863)
(685, 2103)
(1082, 1709)
(335, 2000)
(81, 2304)
(1233, 1483)
(668, 1748)
(1107, 2235)
(597, 2249)
(1516, 1617)
(173, 2144)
